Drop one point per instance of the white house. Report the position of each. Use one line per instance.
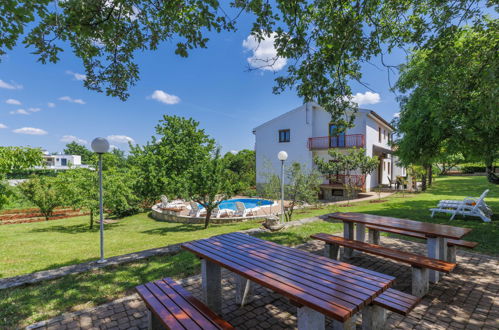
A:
(307, 131)
(61, 162)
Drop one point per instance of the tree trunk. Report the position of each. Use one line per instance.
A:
(91, 219)
(430, 175)
(490, 169)
(423, 181)
(207, 219)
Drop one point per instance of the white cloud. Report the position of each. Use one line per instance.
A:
(12, 85)
(396, 115)
(3, 125)
(366, 98)
(112, 146)
(69, 99)
(19, 112)
(34, 109)
(72, 138)
(264, 55)
(51, 104)
(234, 152)
(164, 97)
(13, 102)
(120, 139)
(77, 76)
(30, 131)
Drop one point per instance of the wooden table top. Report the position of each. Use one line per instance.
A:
(334, 288)
(429, 229)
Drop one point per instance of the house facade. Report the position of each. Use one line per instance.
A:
(61, 162)
(307, 131)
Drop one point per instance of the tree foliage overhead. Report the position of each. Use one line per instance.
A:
(326, 41)
(450, 98)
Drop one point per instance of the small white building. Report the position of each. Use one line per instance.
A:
(307, 131)
(61, 162)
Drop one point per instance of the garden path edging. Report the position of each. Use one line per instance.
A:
(44, 275)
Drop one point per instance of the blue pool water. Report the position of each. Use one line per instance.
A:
(249, 203)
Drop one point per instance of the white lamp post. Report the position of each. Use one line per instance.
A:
(101, 146)
(282, 156)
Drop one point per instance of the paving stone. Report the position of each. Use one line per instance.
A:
(465, 299)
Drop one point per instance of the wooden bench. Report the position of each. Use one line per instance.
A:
(451, 243)
(397, 301)
(420, 264)
(172, 307)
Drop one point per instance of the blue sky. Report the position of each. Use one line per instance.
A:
(212, 85)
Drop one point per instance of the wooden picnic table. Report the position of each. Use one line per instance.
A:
(317, 285)
(436, 234)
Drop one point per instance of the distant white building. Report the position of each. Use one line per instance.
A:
(307, 131)
(61, 162)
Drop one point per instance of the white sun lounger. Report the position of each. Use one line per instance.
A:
(196, 211)
(242, 211)
(470, 206)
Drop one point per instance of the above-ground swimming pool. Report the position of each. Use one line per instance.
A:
(249, 203)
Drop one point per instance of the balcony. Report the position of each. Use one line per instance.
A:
(339, 141)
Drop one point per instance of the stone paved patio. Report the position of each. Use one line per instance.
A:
(466, 299)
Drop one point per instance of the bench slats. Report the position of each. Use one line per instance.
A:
(403, 305)
(450, 242)
(401, 256)
(177, 308)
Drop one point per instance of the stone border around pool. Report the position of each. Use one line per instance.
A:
(51, 274)
(171, 216)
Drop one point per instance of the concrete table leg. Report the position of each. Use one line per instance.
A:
(433, 244)
(374, 236)
(212, 285)
(348, 234)
(347, 325)
(309, 319)
(420, 283)
(331, 251)
(373, 318)
(451, 253)
(244, 290)
(360, 232)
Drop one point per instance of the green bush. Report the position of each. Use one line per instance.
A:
(473, 169)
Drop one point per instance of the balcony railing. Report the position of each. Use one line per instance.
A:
(339, 141)
(355, 179)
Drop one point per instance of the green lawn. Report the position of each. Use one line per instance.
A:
(27, 248)
(25, 305)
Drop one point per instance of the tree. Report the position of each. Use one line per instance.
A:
(325, 41)
(355, 160)
(80, 190)
(302, 187)
(43, 192)
(210, 184)
(243, 165)
(15, 159)
(450, 98)
(74, 148)
(164, 165)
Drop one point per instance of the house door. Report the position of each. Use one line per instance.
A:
(336, 140)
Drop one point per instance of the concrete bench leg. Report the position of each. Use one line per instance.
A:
(347, 325)
(451, 253)
(153, 322)
(244, 290)
(309, 319)
(374, 237)
(331, 251)
(212, 285)
(373, 317)
(420, 282)
(348, 234)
